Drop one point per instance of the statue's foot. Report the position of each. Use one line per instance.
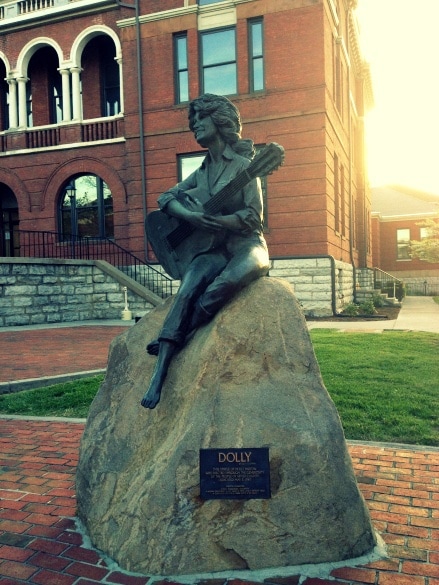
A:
(153, 347)
(151, 398)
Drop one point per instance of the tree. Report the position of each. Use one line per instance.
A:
(428, 248)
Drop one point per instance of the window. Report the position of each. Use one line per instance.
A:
(188, 163)
(29, 112)
(424, 233)
(100, 79)
(181, 68)
(342, 201)
(86, 208)
(110, 89)
(218, 61)
(336, 195)
(205, 2)
(403, 244)
(56, 113)
(110, 77)
(256, 55)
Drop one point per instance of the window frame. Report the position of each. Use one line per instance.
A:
(110, 87)
(200, 155)
(403, 245)
(252, 57)
(203, 68)
(178, 71)
(69, 214)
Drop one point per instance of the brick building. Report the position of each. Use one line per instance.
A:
(397, 213)
(93, 122)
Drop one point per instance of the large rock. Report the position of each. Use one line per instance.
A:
(247, 379)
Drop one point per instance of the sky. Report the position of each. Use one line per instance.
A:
(400, 41)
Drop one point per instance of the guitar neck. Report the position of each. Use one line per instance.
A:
(217, 201)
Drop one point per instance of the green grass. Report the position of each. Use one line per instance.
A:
(71, 399)
(385, 386)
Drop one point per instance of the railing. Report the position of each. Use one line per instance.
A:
(42, 137)
(38, 244)
(100, 130)
(422, 288)
(388, 284)
(26, 7)
(31, 5)
(14, 9)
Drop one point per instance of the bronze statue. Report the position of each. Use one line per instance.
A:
(208, 232)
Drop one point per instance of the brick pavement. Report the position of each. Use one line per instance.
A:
(40, 543)
(37, 353)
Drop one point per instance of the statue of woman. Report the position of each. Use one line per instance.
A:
(240, 256)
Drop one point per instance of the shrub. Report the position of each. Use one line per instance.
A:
(378, 301)
(367, 308)
(350, 310)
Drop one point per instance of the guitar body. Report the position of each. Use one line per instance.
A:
(175, 260)
(176, 243)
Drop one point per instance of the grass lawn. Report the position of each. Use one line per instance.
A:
(385, 386)
(71, 399)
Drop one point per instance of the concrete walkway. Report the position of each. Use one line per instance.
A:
(416, 314)
(419, 314)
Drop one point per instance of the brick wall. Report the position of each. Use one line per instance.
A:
(34, 291)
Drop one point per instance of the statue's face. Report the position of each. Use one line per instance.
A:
(204, 129)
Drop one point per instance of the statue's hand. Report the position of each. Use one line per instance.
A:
(204, 222)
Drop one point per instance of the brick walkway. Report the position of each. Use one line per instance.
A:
(39, 542)
(36, 353)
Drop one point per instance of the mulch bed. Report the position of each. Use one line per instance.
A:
(382, 314)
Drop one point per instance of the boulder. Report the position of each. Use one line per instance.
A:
(247, 379)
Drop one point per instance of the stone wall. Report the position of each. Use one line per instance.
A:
(322, 285)
(38, 291)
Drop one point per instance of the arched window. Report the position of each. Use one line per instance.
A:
(100, 79)
(86, 208)
(44, 89)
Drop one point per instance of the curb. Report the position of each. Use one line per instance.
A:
(34, 383)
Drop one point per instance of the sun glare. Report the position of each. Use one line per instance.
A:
(401, 44)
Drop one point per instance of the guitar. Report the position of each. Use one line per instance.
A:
(176, 242)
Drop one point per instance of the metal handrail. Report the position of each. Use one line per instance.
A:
(44, 244)
(387, 283)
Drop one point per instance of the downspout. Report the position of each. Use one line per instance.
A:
(141, 125)
(333, 268)
(351, 207)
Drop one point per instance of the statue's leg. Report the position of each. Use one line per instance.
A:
(165, 353)
(201, 272)
(248, 264)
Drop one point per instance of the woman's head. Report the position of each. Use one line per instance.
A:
(226, 118)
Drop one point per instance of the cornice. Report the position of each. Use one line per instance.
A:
(217, 7)
(361, 67)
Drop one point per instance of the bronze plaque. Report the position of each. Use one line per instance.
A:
(234, 474)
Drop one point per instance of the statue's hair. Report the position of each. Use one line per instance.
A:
(225, 115)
